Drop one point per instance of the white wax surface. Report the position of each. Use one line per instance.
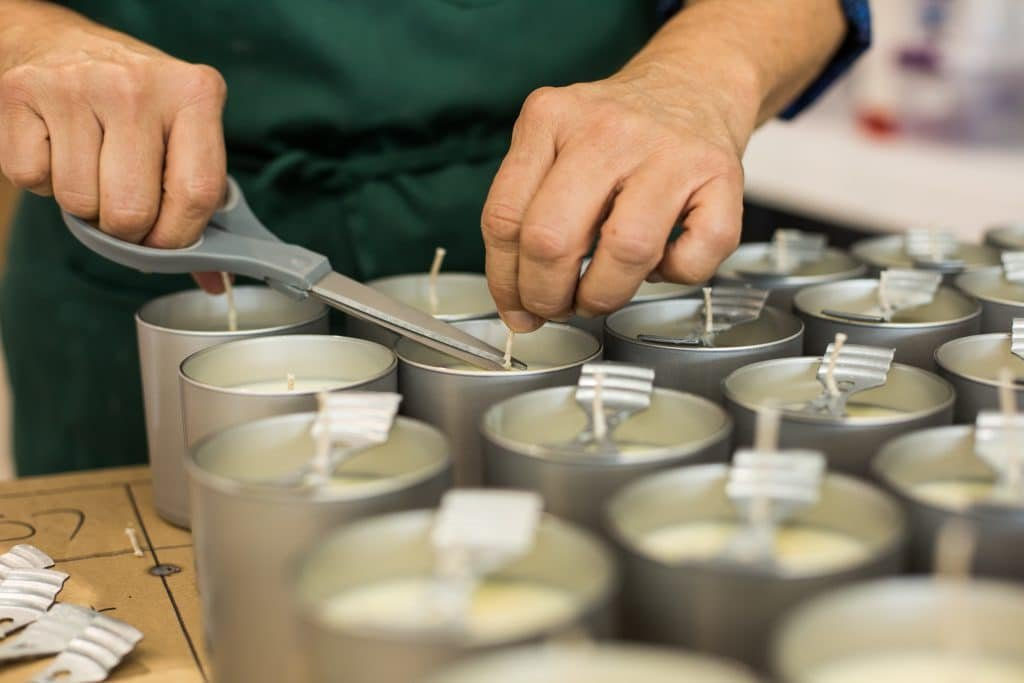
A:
(798, 548)
(302, 385)
(499, 610)
(953, 494)
(919, 667)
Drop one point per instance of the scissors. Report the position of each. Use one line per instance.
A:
(235, 241)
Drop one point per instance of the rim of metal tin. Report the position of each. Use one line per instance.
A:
(974, 338)
(873, 421)
(772, 280)
(322, 495)
(255, 341)
(965, 282)
(590, 605)
(479, 372)
(566, 456)
(818, 315)
(447, 317)
(140, 319)
(771, 310)
(873, 251)
(716, 471)
(890, 452)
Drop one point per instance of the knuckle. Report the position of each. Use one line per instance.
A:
(544, 242)
(77, 202)
(500, 222)
(202, 83)
(542, 103)
(26, 175)
(125, 84)
(202, 195)
(630, 248)
(547, 309)
(17, 81)
(128, 221)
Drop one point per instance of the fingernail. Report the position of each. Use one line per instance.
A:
(584, 313)
(560, 319)
(521, 321)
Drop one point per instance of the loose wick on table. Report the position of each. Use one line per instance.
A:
(830, 379)
(133, 538)
(435, 269)
(229, 292)
(506, 362)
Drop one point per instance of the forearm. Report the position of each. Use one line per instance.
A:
(760, 54)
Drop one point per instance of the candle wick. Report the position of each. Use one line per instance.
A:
(506, 362)
(709, 317)
(600, 424)
(781, 253)
(954, 554)
(883, 293)
(435, 269)
(766, 435)
(830, 373)
(229, 292)
(290, 381)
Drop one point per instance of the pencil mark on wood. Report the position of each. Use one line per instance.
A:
(75, 512)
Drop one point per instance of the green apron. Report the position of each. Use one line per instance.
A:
(366, 130)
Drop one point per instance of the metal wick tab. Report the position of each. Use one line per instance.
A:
(26, 595)
(609, 394)
(845, 370)
(792, 249)
(932, 250)
(1017, 338)
(23, 556)
(724, 308)
(93, 654)
(898, 289)
(347, 423)
(1013, 266)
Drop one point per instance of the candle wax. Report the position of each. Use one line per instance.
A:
(952, 493)
(920, 667)
(798, 548)
(499, 609)
(280, 386)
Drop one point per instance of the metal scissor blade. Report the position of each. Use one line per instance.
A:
(366, 303)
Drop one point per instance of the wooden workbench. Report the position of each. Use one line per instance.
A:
(80, 520)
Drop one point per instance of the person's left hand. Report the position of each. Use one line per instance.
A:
(624, 159)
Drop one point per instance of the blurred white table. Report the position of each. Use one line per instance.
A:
(826, 170)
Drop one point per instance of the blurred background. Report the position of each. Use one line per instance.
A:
(928, 131)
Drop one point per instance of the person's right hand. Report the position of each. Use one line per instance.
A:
(114, 129)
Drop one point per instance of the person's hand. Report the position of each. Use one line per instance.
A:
(117, 131)
(624, 160)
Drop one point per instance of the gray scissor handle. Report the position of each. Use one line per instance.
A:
(234, 241)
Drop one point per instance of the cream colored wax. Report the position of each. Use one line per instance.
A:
(301, 385)
(798, 548)
(957, 494)
(499, 609)
(919, 667)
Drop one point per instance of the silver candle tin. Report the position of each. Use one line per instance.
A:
(444, 392)
(890, 251)
(648, 292)
(172, 328)
(595, 663)
(1001, 300)
(248, 533)
(751, 265)
(946, 454)
(888, 619)
(730, 609)
(1006, 237)
(915, 333)
(460, 296)
(214, 381)
(972, 365)
(910, 399)
(522, 438)
(398, 546)
(697, 369)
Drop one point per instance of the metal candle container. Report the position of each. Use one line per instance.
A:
(1001, 300)
(972, 365)
(175, 326)
(460, 296)
(1006, 237)
(398, 547)
(604, 663)
(911, 630)
(724, 608)
(891, 251)
(453, 396)
(526, 437)
(915, 333)
(909, 464)
(697, 369)
(751, 265)
(648, 292)
(910, 399)
(248, 531)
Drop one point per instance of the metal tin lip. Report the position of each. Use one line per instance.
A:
(972, 339)
(589, 605)
(892, 452)
(317, 496)
(855, 269)
(887, 251)
(770, 310)
(818, 315)
(450, 274)
(876, 421)
(560, 327)
(970, 283)
(1007, 237)
(266, 341)
(141, 315)
(715, 471)
(563, 456)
